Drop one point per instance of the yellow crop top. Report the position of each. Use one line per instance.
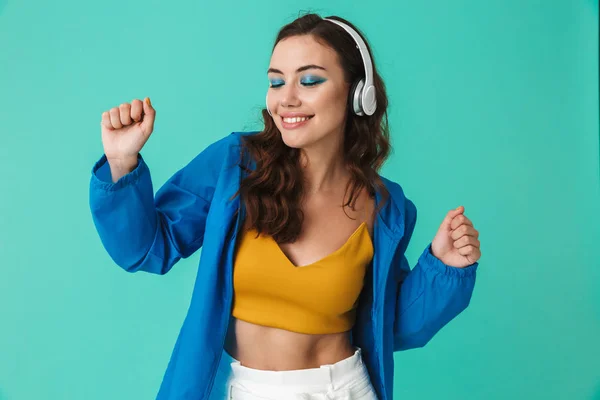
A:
(316, 298)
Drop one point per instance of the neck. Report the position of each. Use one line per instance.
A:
(324, 170)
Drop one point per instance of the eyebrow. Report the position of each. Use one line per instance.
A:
(303, 68)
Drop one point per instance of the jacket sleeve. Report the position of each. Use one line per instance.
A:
(144, 232)
(430, 295)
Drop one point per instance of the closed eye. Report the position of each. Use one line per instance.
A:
(308, 82)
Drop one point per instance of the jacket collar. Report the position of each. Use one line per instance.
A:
(391, 217)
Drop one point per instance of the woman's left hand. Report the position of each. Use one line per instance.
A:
(456, 242)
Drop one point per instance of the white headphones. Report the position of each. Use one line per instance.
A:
(362, 92)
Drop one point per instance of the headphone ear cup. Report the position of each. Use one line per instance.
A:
(354, 98)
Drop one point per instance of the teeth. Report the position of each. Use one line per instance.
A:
(294, 120)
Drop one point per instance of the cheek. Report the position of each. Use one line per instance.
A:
(332, 105)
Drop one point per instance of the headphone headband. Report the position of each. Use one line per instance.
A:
(365, 92)
(362, 47)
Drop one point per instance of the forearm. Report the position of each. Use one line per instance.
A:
(124, 214)
(430, 296)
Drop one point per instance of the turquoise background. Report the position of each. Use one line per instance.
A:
(493, 105)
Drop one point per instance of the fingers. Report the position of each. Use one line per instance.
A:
(453, 213)
(125, 114)
(464, 235)
(148, 109)
(472, 252)
(466, 241)
(136, 110)
(465, 229)
(106, 120)
(149, 115)
(115, 118)
(460, 220)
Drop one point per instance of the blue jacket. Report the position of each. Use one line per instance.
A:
(399, 308)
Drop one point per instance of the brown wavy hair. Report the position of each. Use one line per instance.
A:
(273, 192)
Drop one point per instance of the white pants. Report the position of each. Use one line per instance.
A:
(347, 379)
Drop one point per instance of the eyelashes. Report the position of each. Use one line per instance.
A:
(276, 83)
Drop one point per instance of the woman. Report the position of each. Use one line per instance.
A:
(303, 289)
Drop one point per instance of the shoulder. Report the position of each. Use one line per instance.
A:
(398, 206)
(222, 149)
(210, 163)
(397, 195)
(229, 142)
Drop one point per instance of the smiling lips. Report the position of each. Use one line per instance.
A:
(294, 121)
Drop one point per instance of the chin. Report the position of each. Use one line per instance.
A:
(293, 139)
(296, 138)
(300, 136)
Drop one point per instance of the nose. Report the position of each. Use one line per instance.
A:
(289, 96)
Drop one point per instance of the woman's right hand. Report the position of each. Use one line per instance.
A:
(125, 130)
